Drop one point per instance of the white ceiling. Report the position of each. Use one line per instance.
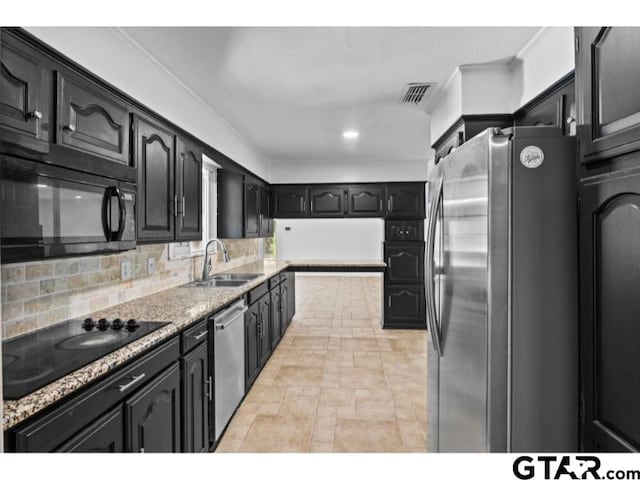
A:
(292, 91)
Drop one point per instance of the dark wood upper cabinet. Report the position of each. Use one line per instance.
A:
(607, 72)
(24, 97)
(266, 221)
(251, 210)
(366, 200)
(90, 120)
(609, 322)
(289, 201)
(195, 399)
(405, 200)
(188, 190)
(152, 415)
(230, 204)
(157, 200)
(327, 201)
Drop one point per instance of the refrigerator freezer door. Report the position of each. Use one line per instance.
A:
(459, 391)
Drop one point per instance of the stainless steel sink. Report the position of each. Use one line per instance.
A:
(235, 276)
(224, 280)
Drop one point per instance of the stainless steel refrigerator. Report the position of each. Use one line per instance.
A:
(501, 293)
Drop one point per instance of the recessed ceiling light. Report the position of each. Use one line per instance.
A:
(41, 185)
(350, 134)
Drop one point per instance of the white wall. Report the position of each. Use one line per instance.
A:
(329, 239)
(447, 108)
(545, 59)
(112, 55)
(319, 172)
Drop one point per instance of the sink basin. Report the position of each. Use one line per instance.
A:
(235, 276)
(216, 283)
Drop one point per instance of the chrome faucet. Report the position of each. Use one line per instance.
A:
(225, 256)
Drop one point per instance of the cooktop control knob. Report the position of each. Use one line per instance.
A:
(103, 324)
(117, 324)
(132, 325)
(88, 324)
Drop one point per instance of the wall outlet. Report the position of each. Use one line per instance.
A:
(151, 265)
(125, 270)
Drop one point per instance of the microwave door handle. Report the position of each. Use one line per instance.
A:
(106, 213)
(122, 214)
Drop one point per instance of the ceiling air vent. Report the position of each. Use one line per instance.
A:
(413, 93)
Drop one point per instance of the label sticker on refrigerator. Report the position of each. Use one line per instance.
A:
(531, 156)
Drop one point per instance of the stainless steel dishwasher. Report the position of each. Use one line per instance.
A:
(229, 362)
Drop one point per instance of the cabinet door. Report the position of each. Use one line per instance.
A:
(252, 344)
(230, 204)
(404, 306)
(289, 201)
(266, 222)
(196, 392)
(610, 313)
(405, 262)
(405, 200)
(326, 201)
(366, 201)
(152, 416)
(404, 230)
(188, 190)
(291, 296)
(251, 210)
(157, 201)
(276, 317)
(284, 302)
(24, 97)
(105, 435)
(607, 72)
(265, 328)
(90, 120)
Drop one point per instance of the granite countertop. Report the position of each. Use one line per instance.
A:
(179, 306)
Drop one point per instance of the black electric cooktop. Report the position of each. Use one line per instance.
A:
(39, 358)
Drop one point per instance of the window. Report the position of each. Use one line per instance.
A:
(209, 215)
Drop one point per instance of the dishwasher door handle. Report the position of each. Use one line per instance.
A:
(239, 314)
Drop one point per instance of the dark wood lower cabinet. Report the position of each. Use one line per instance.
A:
(265, 328)
(609, 322)
(105, 435)
(152, 415)
(196, 391)
(252, 345)
(276, 317)
(404, 307)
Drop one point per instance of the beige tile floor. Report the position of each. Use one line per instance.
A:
(337, 382)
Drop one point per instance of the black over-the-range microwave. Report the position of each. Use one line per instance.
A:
(50, 211)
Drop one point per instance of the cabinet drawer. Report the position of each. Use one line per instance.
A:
(257, 292)
(275, 280)
(44, 433)
(193, 336)
(404, 230)
(90, 120)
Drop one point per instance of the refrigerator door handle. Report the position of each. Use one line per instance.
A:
(430, 282)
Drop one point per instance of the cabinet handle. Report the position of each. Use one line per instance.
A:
(311, 206)
(70, 128)
(389, 301)
(209, 383)
(175, 205)
(199, 335)
(184, 207)
(380, 204)
(388, 205)
(37, 114)
(141, 449)
(134, 380)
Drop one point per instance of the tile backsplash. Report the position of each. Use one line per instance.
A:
(39, 294)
